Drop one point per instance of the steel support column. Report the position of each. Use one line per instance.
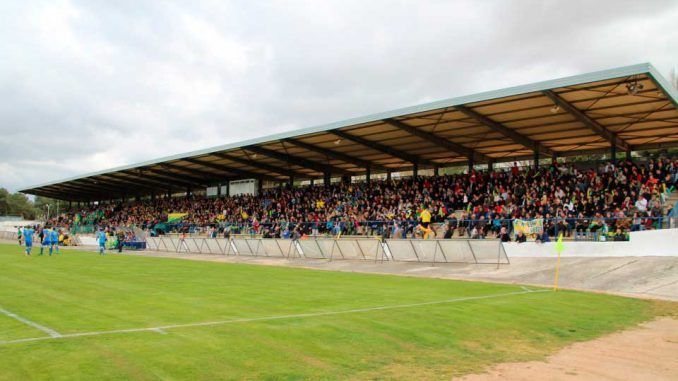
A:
(613, 151)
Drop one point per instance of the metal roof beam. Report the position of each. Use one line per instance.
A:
(119, 184)
(661, 145)
(204, 178)
(71, 190)
(52, 194)
(384, 149)
(264, 166)
(160, 177)
(147, 181)
(335, 155)
(586, 120)
(104, 185)
(438, 140)
(508, 132)
(95, 189)
(47, 193)
(295, 160)
(230, 170)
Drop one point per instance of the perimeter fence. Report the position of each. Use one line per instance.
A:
(469, 251)
(370, 249)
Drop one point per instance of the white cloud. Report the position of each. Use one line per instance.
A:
(88, 85)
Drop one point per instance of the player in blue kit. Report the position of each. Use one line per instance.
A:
(46, 236)
(55, 241)
(28, 239)
(101, 238)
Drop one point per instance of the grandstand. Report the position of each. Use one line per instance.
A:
(249, 187)
(613, 111)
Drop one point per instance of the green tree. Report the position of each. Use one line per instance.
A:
(42, 204)
(16, 204)
(4, 202)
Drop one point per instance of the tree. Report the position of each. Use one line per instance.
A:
(41, 206)
(4, 201)
(18, 204)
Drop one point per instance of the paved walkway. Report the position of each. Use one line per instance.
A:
(647, 277)
(644, 277)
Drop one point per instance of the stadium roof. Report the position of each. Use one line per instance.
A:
(630, 108)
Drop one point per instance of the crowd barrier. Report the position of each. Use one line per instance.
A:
(399, 250)
(462, 227)
(8, 235)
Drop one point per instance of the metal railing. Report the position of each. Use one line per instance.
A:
(408, 228)
(368, 249)
(8, 235)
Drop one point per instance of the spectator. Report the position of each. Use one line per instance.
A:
(482, 200)
(521, 238)
(503, 235)
(542, 237)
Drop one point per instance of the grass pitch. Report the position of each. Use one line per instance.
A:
(314, 324)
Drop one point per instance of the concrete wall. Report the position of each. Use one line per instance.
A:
(650, 243)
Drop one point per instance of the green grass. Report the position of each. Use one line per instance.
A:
(82, 292)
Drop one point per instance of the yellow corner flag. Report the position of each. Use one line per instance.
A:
(559, 244)
(559, 248)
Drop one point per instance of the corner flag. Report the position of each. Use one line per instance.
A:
(559, 248)
(559, 244)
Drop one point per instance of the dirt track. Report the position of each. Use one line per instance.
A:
(649, 352)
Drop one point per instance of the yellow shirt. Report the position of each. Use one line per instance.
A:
(425, 216)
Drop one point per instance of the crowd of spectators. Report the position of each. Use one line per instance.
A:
(620, 197)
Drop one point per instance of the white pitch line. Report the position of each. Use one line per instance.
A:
(52, 333)
(161, 329)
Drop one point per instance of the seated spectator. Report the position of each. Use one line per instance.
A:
(449, 231)
(521, 237)
(619, 235)
(485, 200)
(641, 204)
(543, 237)
(503, 235)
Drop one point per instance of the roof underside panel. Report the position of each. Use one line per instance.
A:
(630, 108)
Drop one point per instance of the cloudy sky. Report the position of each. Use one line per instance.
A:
(87, 85)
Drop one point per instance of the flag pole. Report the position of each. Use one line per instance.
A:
(559, 249)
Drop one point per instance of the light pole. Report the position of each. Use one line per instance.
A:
(47, 216)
